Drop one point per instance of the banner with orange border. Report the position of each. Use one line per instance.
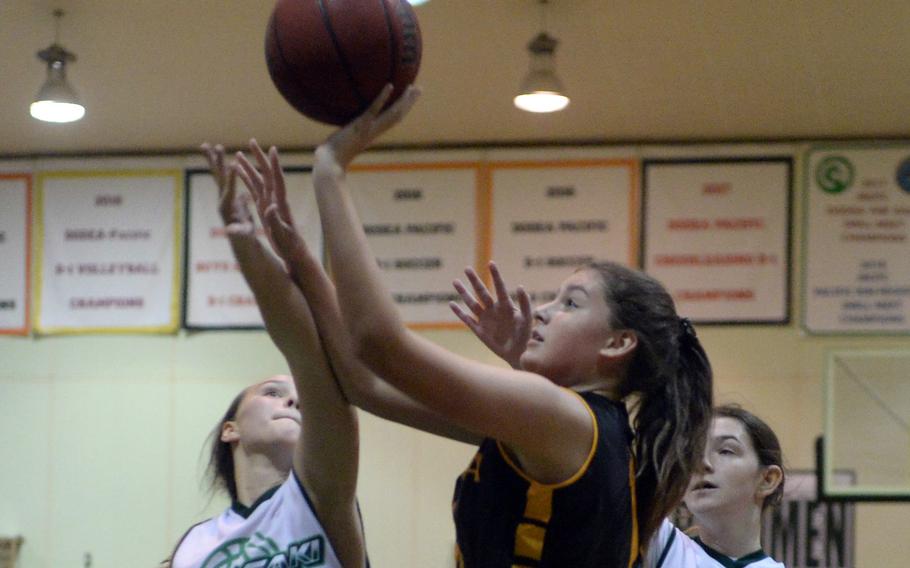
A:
(548, 218)
(421, 220)
(108, 255)
(15, 252)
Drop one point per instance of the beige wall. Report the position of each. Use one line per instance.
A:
(102, 439)
(102, 442)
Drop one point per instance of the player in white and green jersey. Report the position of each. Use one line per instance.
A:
(281, 527)
(742, 474)
(293, 494)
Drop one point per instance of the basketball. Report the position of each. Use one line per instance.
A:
(331, 58)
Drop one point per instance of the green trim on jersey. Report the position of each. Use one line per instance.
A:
(663, 555)
(245, 511)
(728, 562)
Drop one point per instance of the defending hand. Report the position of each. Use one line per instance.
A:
(233, 208)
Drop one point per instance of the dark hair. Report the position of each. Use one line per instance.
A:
(221, 460)
(671, 376)
(764, 442)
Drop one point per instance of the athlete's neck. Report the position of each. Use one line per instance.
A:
(608, 387)
(256, 473)
(734, 535)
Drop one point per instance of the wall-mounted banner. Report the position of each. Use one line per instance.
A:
(716, 233)
(549, 218)
(857, 240)
(217, 296)
(15, 249)
(421, 223)
(108, 255)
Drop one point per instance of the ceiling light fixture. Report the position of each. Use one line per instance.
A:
(57, 100)
(541, 90)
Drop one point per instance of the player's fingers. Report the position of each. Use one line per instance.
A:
(502, 294)
(251, 177)
(245, 178)
(398, 110)
(464, 317)
(468, 299)
(211, 160)
(264, 168)
(480, 289)
(524, 304)
(280, 191)
(380, 100)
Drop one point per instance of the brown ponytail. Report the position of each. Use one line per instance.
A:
(220, 469)
(671, 378)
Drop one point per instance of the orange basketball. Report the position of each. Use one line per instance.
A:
(331, 58)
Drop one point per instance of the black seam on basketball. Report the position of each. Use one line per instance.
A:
(274, 26)
(341, 58)
(393, 44)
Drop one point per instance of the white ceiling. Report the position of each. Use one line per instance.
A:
(158, 75)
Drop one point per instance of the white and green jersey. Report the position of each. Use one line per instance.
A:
(671, 548)
(280, 529)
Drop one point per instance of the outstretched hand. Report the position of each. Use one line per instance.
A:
(501, 325)
(266, 184)
(269, 192)
(346, 143)
(233, 208)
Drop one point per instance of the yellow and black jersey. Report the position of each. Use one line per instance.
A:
(504, 519)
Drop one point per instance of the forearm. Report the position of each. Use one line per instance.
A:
(286, 316)
(367, 309)
(361, 387)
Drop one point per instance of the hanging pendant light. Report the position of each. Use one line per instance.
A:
(57, 101)
(541, 90)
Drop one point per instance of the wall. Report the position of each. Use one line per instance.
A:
(103, 435)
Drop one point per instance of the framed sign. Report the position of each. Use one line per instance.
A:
(421, 222)
(216, 294)
(15, 252)
(108, 253)
(857, 240)
(716, 233)
(549, 218)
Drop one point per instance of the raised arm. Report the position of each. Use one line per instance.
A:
(547, 426)
(360, 385)
(327, 468)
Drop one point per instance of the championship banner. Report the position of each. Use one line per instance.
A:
(15, 252)
(716, 233)
(857, 240)
(108, 256)
(216, 294)
(421, 223)
(550, 218)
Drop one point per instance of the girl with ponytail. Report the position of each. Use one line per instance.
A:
(560, 478)
(668, 380)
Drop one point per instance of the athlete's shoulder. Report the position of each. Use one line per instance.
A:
(196, 537)
(668, 547)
